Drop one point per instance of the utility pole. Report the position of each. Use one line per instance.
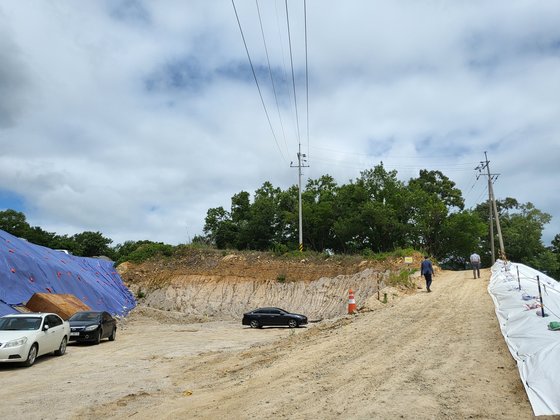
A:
(492, 206)
(301, 164)
(491, 219)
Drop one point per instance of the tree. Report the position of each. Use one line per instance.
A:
(240, 207)
(122, 251)
(215, 217)
(89, 244)
(385, 215)
(431, 198)
(348, 229)
(547, 262)
(14, 222)
(427, 214)
(287, 231)
(461, 236)
(319, 215)
(522, 227)
(38, 236)
(262, 228)
(436, 183)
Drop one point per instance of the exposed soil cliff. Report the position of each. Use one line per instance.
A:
(213, 285)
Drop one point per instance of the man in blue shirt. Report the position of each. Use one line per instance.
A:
(427, 270)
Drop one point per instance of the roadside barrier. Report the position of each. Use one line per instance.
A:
(351, 302)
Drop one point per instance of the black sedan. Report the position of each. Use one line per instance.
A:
(272, 317)
(92, 326)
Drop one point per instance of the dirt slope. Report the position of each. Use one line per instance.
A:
(208, 285)
(434, 356)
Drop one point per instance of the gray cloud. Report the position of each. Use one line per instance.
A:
(133, 118)
(13, 78)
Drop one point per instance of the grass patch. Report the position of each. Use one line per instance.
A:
(402, 278)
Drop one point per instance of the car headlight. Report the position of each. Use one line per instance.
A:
(91, 327)
(16, 343)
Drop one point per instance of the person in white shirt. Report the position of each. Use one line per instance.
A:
(475, 264)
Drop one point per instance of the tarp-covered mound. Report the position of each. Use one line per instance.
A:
(536, 348)
(26, 269)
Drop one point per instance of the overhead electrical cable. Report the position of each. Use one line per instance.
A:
(472, 187)
(431, 156)
(292, 65)
(271, 77)
(285, 78)
(306, 73)
(256, 80)
(482, 194)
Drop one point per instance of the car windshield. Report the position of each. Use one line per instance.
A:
(85, 316)
(20, 323)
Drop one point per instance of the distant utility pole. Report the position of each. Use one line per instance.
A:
(301, 164)
(492, 206)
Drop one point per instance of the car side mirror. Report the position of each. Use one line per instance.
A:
(45, 327)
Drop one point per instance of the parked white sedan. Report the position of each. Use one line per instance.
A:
(24, 337)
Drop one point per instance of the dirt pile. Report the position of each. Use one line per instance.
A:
(210, 285)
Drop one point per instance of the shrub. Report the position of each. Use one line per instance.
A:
(279, 249)
(281, 278)
(402, 278)
(149, 250)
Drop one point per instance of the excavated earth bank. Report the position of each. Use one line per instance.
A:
(207, 285)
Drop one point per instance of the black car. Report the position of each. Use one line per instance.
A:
(272, 316)
(92, 326)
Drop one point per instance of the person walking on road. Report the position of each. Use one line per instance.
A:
(475, 264)
(427, 270)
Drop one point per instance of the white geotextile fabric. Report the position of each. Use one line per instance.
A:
(535, 348)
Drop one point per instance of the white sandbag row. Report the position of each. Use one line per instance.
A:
(515, 291)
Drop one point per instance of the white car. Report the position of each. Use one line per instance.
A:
(24, 337)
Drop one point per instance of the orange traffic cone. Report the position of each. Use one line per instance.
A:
(351, 302)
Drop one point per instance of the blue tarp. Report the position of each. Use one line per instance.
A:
(26, 268)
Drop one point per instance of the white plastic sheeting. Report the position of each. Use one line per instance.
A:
(535, 348)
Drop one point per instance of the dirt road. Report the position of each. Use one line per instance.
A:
(426, 355)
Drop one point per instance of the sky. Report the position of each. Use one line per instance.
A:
(133, 118)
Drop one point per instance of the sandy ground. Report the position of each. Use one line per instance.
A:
(427, 355)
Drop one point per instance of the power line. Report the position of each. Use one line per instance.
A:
(301, 156)
(271, 77)
(388, 165)
(292, 66)
(283, 55)
(256, 80)
(431, 156)
(306, 72)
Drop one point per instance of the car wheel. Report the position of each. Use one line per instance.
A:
(255, 324)
(292, 323)
(113, 335)
(98, 338)
(32, 356)
(62, 349)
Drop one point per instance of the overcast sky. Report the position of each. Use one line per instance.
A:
(133, 118)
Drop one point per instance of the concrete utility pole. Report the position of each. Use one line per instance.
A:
(491, 219)
(301, 164)
(492, 206)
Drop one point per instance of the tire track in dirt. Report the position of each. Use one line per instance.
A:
(436, 355)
